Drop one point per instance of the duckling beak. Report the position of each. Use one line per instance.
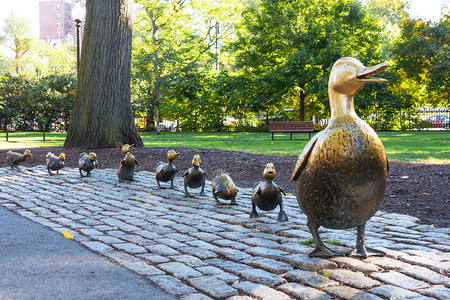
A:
(366, 72)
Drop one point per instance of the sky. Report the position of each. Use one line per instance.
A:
(29, 9)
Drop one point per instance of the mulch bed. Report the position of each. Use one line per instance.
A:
(413, 188)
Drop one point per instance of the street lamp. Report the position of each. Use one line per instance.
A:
(78, 16)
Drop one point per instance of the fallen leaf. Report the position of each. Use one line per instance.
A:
(67, 234)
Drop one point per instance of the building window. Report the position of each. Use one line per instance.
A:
(58, 6)
(58, 26)
(58, 34)
(58, 16)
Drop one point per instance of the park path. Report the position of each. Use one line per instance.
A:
(194, 249)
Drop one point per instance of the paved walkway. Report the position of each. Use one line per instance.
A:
(194, 249)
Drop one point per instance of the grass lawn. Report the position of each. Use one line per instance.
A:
(427, 145)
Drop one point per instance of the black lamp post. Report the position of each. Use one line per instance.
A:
(78, 16)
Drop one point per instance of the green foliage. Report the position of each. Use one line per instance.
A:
(422, 57)
(36, 102)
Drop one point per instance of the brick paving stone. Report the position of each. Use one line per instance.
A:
(188, 260)
(107, 239)
(295, 248)
(143, 268)
(441, 267)
(260, 291)
(230, 266)
(398, 279)
(231, 254)
(195, 296)
(393, 292)
(172, 285)
(350, 278)
(300, 291)
(201, 244)
(98, 247)
(268, 264)
(179, 270)
(130, 248)
(218, 273)
(162, 250)
(154, 258)
(231, 244)
(213, 287)
(198, 252)
(425, 274)
(310, 278)
(266, 252)
(355, 264)
(262, 277)
(233, 235)
(437, 291)
(240, 298)
(349, 293)
(259, 242)
(302, 261)
(386, 262)
(204, 236)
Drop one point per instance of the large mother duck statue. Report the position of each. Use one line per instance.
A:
(341, 174)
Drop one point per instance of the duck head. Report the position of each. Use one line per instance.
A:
(196, 161)
(171, 155)
(269, 172)
(62, 157)
(347, 78)
(127, 148)
(93, 156)
(27, 153)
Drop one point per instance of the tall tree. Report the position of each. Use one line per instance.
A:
(102, 115)
(18, 38)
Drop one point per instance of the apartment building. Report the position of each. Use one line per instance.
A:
(56, 25)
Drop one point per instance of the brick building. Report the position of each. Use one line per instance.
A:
(56, 25)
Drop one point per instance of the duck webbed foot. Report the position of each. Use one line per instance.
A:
(254, 213)
(171, 185)
(50, 173)
(362, 251)
(202, 192)
(321, 250)
(282, 217)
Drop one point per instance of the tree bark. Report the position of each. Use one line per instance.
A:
(102, 115)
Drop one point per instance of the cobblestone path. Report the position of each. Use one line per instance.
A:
(194, 249)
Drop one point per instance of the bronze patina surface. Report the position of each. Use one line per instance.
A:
(166, 171)
(55, 163)
(127, 164)
(267, 195)
(14, 158)
(87, 163)
(223, 187)
(341, 173)
(195, 177)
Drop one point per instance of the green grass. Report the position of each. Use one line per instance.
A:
(432, 146)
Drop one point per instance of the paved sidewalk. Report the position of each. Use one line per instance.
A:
(194, 249)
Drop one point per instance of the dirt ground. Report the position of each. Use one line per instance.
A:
(417, 189)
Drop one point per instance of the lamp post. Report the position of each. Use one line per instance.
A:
(78, 16)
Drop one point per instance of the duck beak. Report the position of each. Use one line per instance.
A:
(365, 73)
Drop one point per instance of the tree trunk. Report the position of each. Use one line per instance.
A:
(302, 105)
(102, 115)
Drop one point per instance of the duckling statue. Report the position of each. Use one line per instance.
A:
(14, 158)
(166, 171)
(195, 177)
(127, 164)
(87, 163)
(341, 174)
(223, 187)
(54, 162)
(267, 195)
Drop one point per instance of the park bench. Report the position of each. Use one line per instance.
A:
(291, 127)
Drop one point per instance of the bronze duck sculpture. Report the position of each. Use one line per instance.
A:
(223, 187)
(341, 173)
(195, 177)
(54, 162)
(267, 195)
(166, 171)
(87, 163)
(14, 158)
(127, 164)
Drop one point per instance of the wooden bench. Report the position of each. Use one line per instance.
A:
(291, 127)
